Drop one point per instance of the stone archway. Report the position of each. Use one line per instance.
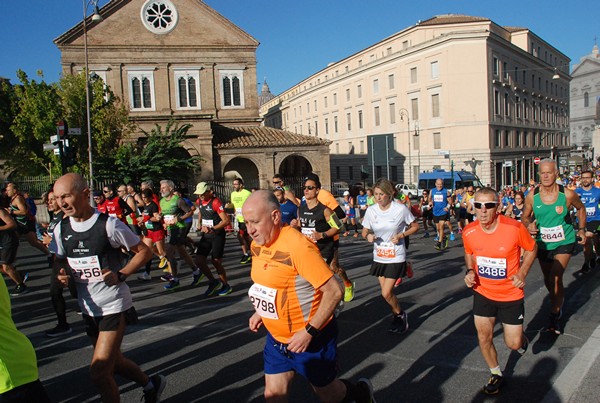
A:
(295, 166)
(240, 167)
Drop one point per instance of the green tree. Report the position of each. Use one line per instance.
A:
(158, 155)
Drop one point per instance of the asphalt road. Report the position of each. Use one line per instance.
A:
(208, 354)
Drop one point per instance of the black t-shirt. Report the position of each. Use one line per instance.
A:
(149, 210)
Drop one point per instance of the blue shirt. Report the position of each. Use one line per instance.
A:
(289, 211)
(361, 200)
(590, 199)
(440, 201)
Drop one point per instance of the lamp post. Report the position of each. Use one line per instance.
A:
(404, 112)
(96, 17)
(418, 148)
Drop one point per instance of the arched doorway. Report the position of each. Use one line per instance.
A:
(242, 168)
(295, 166)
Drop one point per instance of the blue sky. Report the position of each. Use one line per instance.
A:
(299, 38)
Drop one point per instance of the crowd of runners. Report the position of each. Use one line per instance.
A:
(292, 242)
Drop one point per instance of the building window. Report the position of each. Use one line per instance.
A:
(435, 70)
(334, 98)
(326, 126)
(335, 124)
(141, 90)
(337, 151)
(315, 105)
(347, 94)
(586, 99)
(359, 91)
(505, 70)
(388, 51)
(413, 75)
(391, 83)
(360, 119)
(362, 146)
(351, 168)
(518, 139)
(404, 45)
(376, 115)
(188, 89)
(506, 138)
(307, 108)
(316, 128)
(435, 106)
(496, 66)
(349, 121)
(376, 86)
(325, 102)
(437, 140)
(414, 105)
(392, 113)
(497, 138)
(416, 143)
(517, 106)
(506, 105)
(232, 89)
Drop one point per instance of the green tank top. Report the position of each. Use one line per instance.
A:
(553, 221)
(238, 199)
(170, 210)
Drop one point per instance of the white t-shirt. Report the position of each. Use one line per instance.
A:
(384, 225)
(96, 298)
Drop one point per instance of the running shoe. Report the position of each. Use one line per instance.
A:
(398, 282)
(446, 243)
(523, 349)
(59, 330)
(364, 384)
(409, 270)
(197, 278)
(452, 237)
(246, 259)
(585, 268)
(437, 237)
(153, 395)
(213, 287)
(426, 235)
(438, 245)
(144, 276)
(166, 277)
(400, 323)
(225, 290)
(349, 293)
(163, 263)
(173, 284)
(554, 325)
(25, 277)
(19, 290)
(493, 385)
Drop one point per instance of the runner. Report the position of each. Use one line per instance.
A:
(289, 193)
(164, 262)
(294, 294)
(213, 220)
(515, 210)
(467, 204)
(350, 219)
(238, 197)
(173, 212)
(439, 204)
(316, 221)
(460, 213)
(9, 243)
(590, 197)
(115, 206)
(427, 213)
(90, 244)
(131, 218)
(551, 203)
(493, 246)
(289, 211)
(56, 290)
(386, 224)
(152, 227)
(361, 200)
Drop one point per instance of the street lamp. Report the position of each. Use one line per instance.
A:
(404, 112)
(96, 17)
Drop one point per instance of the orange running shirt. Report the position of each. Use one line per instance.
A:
(286, 277)
(496, 257)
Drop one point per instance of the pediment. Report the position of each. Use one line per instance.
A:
(586, 67)
(198, 26)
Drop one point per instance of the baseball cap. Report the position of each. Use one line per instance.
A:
(201, 188)
(97, 193)
(346, 193)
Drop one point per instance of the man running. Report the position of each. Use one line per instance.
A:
(440, 202)
(294, 295)
(212, 220)
(289, 211)
(590, 197)
(493, 247)
(90, 243)
(551, 204)
(238, 198)
(21, 213)
(289, 193)
(9, 243)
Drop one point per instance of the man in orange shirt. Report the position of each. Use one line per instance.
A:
(294, 294)
(493, 246)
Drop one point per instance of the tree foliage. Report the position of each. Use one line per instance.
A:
(158, 155)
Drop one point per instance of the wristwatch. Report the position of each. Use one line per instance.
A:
(324, 235)
(313, 331)
(468, 270)
(121, 276)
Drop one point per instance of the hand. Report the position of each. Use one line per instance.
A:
(396, 238)
(46, 239)
(518, 281)
(370, 238)
(294, 223)
(470, 279)
(63, 278)
(110, 278)
(315, 236)
(532, 228)
(299, 342)
(582, 238)
(255, 322)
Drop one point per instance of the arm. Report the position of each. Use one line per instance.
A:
(470, 279)
(527, 215)
(142, 254)
(528, 260)
(332, 294)
(573, 200)
(21, 206)
(187, 211)
(9, 223)
(412, 228)
(334, 226)
(224, 221)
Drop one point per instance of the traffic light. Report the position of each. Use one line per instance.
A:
(69, 157)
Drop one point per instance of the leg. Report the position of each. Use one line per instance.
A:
(513, 336)
(12, 273)
(106, 352)
(218, 263)
(185, 256)
(485, 335)
(36, 243)
(58, 301)
(277, 386)
(201, 263)
(588, 247)
(334, 392)
(387, 287)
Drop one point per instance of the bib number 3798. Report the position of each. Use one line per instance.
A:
(264, 300)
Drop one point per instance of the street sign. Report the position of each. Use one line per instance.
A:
(507, 164)
(536, 160)
(74, 131)
(48, 147)
(56, 151)
(60, 128)
(54, 139)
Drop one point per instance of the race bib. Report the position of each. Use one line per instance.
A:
(238, 212)
(552, 234)
(457, 205)
(207, 223)
(491, 268)
(363, 207)
(86, 269)
(112, 215)
(385, 250)
(308, 232)
(590, 211)
(264, 300)
(170, 219)
(438, 198)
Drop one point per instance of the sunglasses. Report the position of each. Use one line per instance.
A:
(276, 182)
(309, 187)
(106, 191)
(488, 205)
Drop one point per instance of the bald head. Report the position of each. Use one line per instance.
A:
(262, 217)
(72, 195)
